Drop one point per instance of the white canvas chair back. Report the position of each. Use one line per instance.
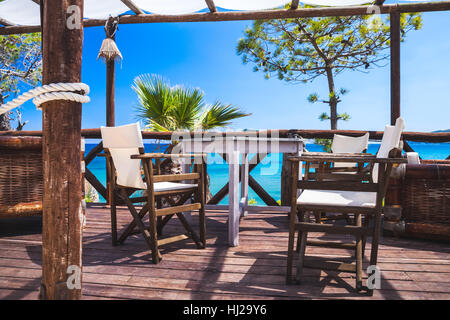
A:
(346, 144)
(122, 142)
(390, 140)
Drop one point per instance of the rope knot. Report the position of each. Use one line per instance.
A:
(54, 91)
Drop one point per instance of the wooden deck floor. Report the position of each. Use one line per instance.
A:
(410, 269)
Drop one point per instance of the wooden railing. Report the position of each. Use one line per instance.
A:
(259, 190)
(434, 137)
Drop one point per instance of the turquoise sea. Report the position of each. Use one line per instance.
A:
(268, 172)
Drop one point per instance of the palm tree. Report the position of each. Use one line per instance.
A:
(166, 108)
(170, 108)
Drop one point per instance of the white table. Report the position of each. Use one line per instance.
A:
(237, 150)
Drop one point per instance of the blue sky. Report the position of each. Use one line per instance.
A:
(204, 55)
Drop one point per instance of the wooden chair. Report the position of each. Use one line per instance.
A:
(124, 151)
(341, 144)
(362, 197)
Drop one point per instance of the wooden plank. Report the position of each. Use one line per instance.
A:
(411, 269)
(20, 143)
(338, 185)
(395, 66)
(253, 15)
(176, 209)
(93, 153)
(211, 5)
(5, 22)
(330, 265)
(92, 179)
(21, 210)
(176, 177)
(62, 222)
(133, 7)
(263, 194)
(224, 190)
(172, 239)
(332, 229)
(331, 244)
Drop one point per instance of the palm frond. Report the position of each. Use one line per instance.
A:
(219, 115)
(166, 108)
(188, 108)
(155, 99)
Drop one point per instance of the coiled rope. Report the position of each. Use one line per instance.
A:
(55, 91)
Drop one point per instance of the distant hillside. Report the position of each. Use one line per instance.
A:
(448, 130)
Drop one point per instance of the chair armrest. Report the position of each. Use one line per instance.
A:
(165, 155)
(360, 158)
(319, 154)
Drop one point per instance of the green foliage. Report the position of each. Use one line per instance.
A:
(20, 61)
(252, 202)
(325, 143)
(166, 108)
(300, 50)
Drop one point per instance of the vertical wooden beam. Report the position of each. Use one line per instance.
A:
(395, 66)
(61, 129)
(294, 4)
(110, 92)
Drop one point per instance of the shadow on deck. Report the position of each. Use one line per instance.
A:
(410, 269)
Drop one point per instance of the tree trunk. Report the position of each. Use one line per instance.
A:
(5, 125)
(332, 99)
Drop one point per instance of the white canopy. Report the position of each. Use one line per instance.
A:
(26, 12)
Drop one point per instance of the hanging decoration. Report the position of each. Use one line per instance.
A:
(109, 50)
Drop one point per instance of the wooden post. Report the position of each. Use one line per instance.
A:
(110, 90)
(61, 129)
(395, 66)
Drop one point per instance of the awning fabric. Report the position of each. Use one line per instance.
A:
(26, 12)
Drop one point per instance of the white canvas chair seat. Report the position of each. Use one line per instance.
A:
(172, 186)
(167, 186)
(337, 198)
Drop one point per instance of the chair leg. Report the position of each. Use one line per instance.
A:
(318, 216)
(113, 219)
(159, 226)
(374, 247)
(202, 222)
(302, 218)
(189, 229)
(199, 196)
(303, 235)
(358, 255)
(290, 253)
(132, 225)
(154, 237)
(138, 221)
(364, 237)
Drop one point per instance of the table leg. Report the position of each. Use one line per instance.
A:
(244, 185)
(186, 168)
(233, 199)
